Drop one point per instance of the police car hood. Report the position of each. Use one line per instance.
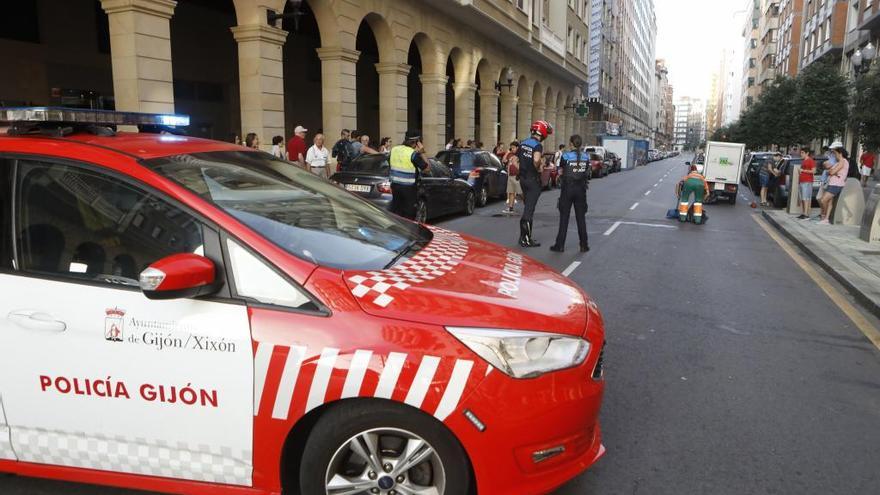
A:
(457, 280)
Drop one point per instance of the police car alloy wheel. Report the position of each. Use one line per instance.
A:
(484, 195)
(382, 448)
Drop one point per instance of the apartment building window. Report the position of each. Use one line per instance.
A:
(570, 41)
(828, 30)
(520, 4)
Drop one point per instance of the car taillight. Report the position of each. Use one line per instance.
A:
(384, 188)
(731, 188)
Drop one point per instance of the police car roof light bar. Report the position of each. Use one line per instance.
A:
(75, 116)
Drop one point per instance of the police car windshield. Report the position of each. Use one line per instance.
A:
(300, 212)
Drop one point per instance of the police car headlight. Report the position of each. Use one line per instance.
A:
(523, 354)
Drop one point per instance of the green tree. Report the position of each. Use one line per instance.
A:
(821, 102)
(866, 110)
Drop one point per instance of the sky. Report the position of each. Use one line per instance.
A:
(691, 35)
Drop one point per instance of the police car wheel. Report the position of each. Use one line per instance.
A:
(383, 448)
(470, 203)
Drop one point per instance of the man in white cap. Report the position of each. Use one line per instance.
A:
(296, 148)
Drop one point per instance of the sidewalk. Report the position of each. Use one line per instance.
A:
(838, 249)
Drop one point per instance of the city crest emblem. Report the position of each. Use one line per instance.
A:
(114, 324)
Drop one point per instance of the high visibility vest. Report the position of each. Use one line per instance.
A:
(403, 170)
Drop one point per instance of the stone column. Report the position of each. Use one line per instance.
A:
(569, 124)
(433, 111)
(140, 52)
(392, 100)
(525, 118)
(489, 117)
(464, 110)
(261, 80)
(564, 132)
(539, 112)
(339, 89)
(508, 117)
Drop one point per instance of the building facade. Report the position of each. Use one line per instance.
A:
(452, 68)
(824, 30)
(768, 32)
(664, 117)
(788, 48)
(622, 68)
(751, 53)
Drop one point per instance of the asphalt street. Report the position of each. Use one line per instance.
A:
(729, 371)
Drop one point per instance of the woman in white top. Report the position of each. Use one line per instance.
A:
(317, 157)
(278, 148)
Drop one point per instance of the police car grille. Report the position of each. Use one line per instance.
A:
(598, 371)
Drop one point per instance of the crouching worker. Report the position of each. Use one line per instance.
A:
(692, 184)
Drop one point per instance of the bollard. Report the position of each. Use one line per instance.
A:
(850, 204)
(870, 231)
(794, 192)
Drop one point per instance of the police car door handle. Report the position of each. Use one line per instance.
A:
(35, 320)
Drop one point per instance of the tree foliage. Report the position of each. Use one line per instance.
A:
(813, 105)
(866, 110)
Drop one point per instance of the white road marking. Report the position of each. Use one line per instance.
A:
(288, 382)
(389, 376)
(419, 388)
(452, 394)
(656, 225)
(261, 368)
(326, 363)
(356, 371)
(657, 184)
(647, 193)
(572, 267)
(612, 229)
(634, 206)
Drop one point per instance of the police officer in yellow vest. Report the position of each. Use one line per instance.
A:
(407, 162)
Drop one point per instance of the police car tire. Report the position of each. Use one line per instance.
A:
(470, 203)
(347, 419)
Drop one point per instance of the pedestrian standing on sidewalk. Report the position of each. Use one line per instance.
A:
(511, 162)
(407, 162)
(343, 150)
(866, 166)
(296, 147)
(836, 180)
(385, 145)
(575, 166)
(278, 148)
(530, 161)
(769, 170)
(252, 141)
(317, 157)
(805, 179)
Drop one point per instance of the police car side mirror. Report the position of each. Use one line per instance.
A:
(179, 276)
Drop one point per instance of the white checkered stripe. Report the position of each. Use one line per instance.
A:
(444, 253)
(6, 451)
(135, 456)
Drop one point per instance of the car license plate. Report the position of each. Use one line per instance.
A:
(719, 186)
(357, 188)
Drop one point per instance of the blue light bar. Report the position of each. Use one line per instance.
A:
(62, 115)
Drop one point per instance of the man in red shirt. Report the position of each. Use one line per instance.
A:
(296, 148)
(867, 166)
(805, 179)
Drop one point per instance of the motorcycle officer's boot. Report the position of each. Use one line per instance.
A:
(523, 233)
(530, 241)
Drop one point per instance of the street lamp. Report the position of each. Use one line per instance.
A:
(510, 75)
(296, 13)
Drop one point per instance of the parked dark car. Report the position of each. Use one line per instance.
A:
(753, 165)
(369, 176)
(481, 169)
(780, 187)
(614, 162)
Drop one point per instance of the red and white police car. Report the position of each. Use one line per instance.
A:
(189, 316)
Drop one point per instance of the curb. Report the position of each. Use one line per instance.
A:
(866, 302)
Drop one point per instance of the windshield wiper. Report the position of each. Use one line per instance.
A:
(403, 252)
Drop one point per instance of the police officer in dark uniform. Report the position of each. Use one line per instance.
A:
(575, 165)
(530, 162)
